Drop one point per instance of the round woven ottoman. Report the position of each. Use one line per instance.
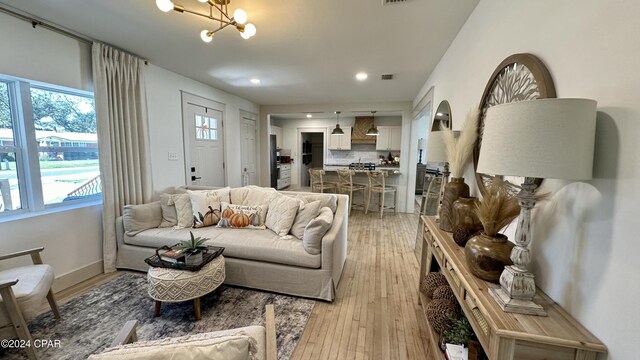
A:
(174, 285)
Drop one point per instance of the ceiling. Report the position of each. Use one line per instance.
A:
(304, 52)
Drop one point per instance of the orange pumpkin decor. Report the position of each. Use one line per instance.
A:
(239, 220)
(227, 213)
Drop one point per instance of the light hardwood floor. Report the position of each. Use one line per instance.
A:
(376, 313)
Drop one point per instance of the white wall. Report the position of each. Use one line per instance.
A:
(72, 238)
(585, 237)
(165, 123)
(405, 187)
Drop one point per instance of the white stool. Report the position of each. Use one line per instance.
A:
(175, 285)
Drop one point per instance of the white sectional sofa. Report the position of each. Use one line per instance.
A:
(258, 259)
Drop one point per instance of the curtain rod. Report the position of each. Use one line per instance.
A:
(57, 29)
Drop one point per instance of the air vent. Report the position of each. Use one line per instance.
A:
(386, 77)
(391, 2)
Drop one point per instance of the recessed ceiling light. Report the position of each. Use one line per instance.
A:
(309, 115)
(439, 114)
(362, 76)
(255, 81)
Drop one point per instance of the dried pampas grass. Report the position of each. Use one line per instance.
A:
(498, 208)
(459, 149)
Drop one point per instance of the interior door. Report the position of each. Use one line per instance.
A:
(249, 147)
(203, 141)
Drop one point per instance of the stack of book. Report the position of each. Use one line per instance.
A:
(172, 256)
(456, 352)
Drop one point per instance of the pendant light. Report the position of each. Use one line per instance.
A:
(373, 131)
(337, 130)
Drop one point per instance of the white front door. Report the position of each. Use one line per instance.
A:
(203, 141)
(249, 147)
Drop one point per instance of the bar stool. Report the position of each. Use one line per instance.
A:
(346, 184)
(317, 182)
(377, 184)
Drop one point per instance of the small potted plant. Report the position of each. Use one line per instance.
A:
(192, 249)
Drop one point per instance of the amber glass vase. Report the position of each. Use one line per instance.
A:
(455, 189)
(465, 219)
(488, 255)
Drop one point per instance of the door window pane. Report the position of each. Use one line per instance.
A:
(67, 145)
(206, 128)
(9, 184)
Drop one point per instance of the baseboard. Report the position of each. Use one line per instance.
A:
(77, 276)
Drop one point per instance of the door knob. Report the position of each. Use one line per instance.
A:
(194, 178)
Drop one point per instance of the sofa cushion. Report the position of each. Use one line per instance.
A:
(138, 218)
(260, 245)
(203, 202)
(182, 203)
(211, 345)
(314, 232)
(30, 291)
(282, 212)
(305, 214)
(169, 215)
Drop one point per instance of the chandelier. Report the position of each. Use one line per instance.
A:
(218, 12)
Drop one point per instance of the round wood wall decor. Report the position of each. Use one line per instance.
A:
(518, 77)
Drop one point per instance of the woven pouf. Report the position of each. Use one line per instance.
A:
(174, 285)
(439, 312)
(444, 292)
(431, 281)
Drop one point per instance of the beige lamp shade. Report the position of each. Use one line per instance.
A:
(436, 149)
(543, 138)
(421, 143)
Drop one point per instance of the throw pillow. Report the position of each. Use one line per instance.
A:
(222, 194)
(138, 218)
(182, 203)
(304, 216)
(282, 212)
(239, 216)
(326, 200)
(203, 203)
(169, 215)
(200, 346)
(315, 231)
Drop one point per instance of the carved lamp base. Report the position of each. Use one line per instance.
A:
(518, 306)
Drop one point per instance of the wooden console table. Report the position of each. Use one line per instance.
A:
(504, 336)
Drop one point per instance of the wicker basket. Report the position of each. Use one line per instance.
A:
(444, 292)
(439, 312)
(431, 281)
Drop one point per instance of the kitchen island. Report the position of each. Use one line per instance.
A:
(360, 177)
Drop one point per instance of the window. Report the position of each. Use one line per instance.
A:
(206, 128)
(49, 137)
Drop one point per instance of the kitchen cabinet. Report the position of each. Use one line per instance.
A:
(277, 131)
(284, 179)
(340, 142)
(390, 138)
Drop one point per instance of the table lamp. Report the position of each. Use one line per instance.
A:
(543, 138)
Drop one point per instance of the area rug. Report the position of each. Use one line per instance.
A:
(90, 322)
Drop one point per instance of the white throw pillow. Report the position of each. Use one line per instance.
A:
(137, 218)
(169, 215)
(202, 199)
(252, 213)
(315, 231)
(199, 346)
(303, 217)
(282, 212)
(182, 203)
(326, 200)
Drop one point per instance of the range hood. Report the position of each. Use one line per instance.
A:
(360, 128)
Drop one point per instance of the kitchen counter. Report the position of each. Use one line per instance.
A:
(392, 170)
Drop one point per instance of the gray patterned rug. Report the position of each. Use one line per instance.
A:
(90, 322)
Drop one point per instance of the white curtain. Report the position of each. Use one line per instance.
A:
(123, 139)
